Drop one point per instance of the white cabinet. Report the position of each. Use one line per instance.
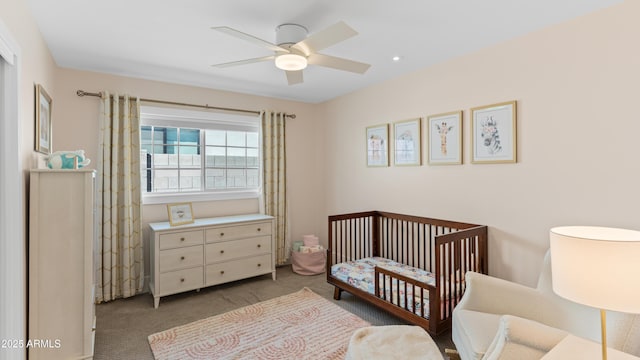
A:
(209, 252)
(62, 237)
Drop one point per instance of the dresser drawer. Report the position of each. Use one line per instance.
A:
(224, 233)
(237, 269)
(179, 239)
(229, 250)
(181, 280)
(180, 258)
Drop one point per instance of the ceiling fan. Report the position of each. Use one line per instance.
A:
(294, 49)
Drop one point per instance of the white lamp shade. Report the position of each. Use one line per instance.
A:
(291, 62)
(597, 266)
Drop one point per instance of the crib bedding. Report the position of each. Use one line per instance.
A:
(360, 274)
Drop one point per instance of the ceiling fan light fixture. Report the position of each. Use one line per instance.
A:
(291, 62)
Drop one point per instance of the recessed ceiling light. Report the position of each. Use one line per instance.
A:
(396, 58)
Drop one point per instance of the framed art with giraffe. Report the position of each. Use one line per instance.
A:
(493, 133)
(444, 139)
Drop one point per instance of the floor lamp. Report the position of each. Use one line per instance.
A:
(597, 267)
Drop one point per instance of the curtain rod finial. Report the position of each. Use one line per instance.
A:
(292, 116)
(80, 93)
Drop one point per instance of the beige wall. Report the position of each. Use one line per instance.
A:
(576, 86)
(37, 67)
(76, 128)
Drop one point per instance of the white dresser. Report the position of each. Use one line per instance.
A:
(209, 252)
(62, 237)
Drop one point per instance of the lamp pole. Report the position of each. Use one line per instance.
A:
(603, 328)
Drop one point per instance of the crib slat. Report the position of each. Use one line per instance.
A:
(363, 252)
(340, 242)
(412, 298)
(406, 300)
(365, 234)
(363, 245)
(388, 250)
(415, 256)
(423, 253)
(394, 244)
(375, 236)
(395, 241)
(353, 241)
(432, 248)
(404, 243)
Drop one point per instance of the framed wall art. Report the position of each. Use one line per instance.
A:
(444, 142)
(493, 133)
(43, 104)
(378, 145)
(407, 140)
(180, 213)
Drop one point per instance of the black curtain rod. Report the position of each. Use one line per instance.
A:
(206, 106)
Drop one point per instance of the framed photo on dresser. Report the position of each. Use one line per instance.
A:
(180, 213)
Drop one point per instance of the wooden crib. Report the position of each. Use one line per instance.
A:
(439, 251)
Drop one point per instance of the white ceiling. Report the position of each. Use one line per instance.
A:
(171, 40)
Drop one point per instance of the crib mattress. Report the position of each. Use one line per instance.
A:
(360, 274)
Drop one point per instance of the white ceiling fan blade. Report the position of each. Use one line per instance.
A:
(244, 62)
(325, 38)
(250, 38)
(338, 63)
(294, 77)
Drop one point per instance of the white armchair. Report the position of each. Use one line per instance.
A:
(497, 319)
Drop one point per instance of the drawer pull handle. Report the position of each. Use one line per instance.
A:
(182, 280)
(259, 229)
(221, 234)
(222, 272)
(181, 239)
(259, 245)
(259, 265)
(181, 257)
(221, 251)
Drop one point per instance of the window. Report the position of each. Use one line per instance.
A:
(198, 155)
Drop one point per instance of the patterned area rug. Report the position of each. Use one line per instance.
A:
(302, 325)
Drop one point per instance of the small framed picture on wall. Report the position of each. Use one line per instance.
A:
(445, 138)
(407, 140)
(378, 145)
(42, 134)
(493, 133)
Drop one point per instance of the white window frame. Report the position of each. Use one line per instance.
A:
(182, 118)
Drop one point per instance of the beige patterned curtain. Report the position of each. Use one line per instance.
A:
(274, 188)
(120, 262)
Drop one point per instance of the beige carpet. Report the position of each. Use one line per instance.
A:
(302, 325)
(124, 325)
